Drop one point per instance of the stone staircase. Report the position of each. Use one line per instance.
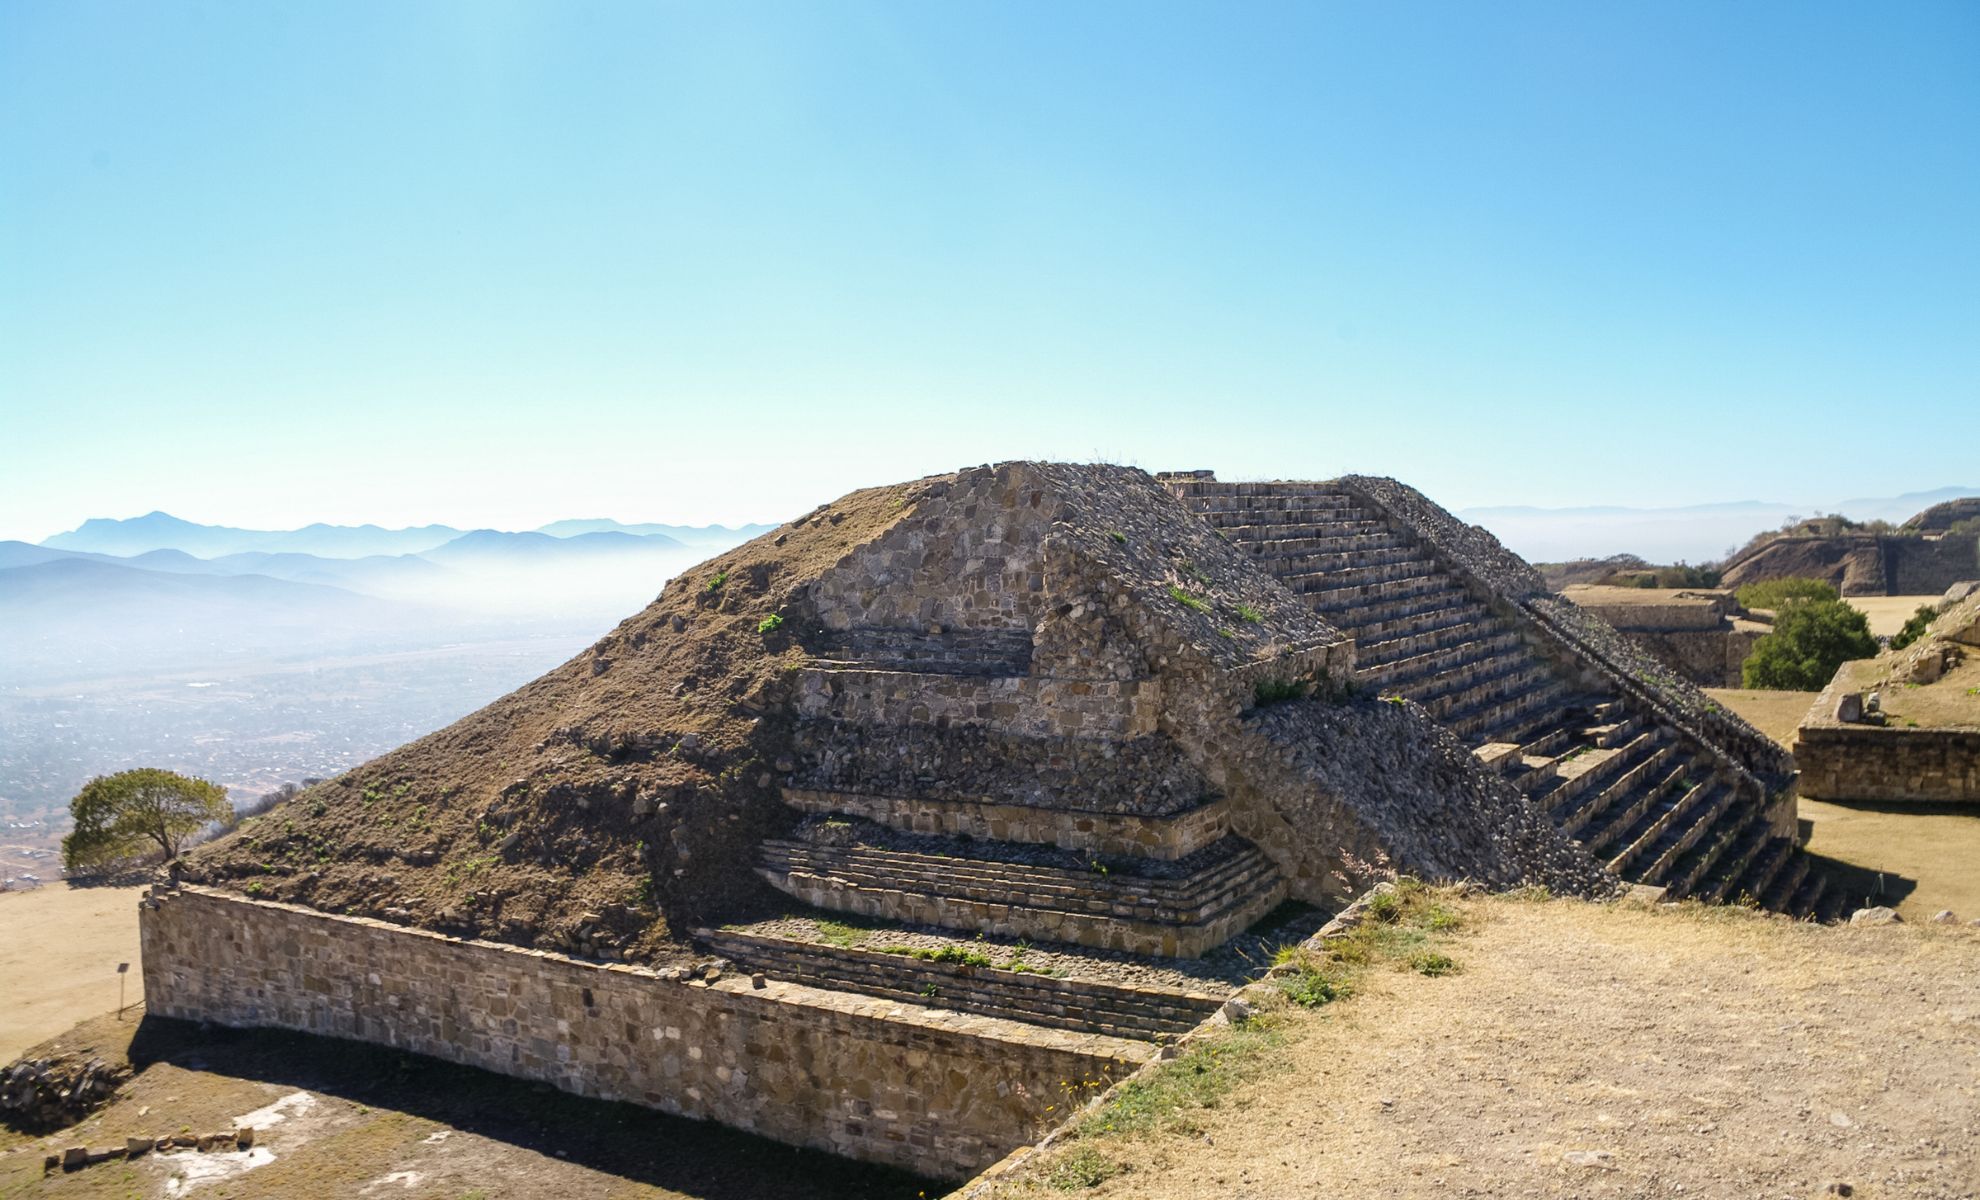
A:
(1644, 797)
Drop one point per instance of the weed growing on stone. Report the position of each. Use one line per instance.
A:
(770, 624)
(1194, 603)
(1250, 615)
(715, 584)
(840, 934)
(1118, 536)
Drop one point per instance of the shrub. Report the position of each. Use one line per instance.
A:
(1915, 627)
(1779, 593)
(1811, 638)
(716, 581)
(1314, 981)
(770, 624)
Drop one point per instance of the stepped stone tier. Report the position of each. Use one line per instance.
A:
(1039, 761)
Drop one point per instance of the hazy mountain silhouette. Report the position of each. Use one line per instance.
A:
(691, 535)
(162, 531)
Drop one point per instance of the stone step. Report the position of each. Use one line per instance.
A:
(1228, 870)
(1405, 615)
(1331, 558)
(1617, 788)
(1303, 530)
(1329, 600)
(1495, 677)
(1758, 878)
(1458, 623)
(1259, 502)
(1403, 673)
(1492, 719)
(1409, 570)
(1806, 902)
(1781, 892)
(1167, 837)
(1734, 833)
(1695, 822)
(952, 652)
(1835, 902)
(1637, 827)
(1086, 1005)
(909, 904)
(1725, 875)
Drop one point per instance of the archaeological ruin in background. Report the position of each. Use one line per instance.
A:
(1027, 748)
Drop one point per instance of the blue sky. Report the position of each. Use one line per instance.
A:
(494, 263)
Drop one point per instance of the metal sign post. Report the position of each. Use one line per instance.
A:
(123, 969)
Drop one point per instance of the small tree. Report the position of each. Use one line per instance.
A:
(1811, 638)
(1915, 627)
(131, 813)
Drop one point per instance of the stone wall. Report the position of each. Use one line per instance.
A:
(1712, 658)
(1870, 762)
(1165, 837)
(925, 1089)
(1027, 705)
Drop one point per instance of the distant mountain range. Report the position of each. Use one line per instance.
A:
(163, 531)
(156, 589)
(1691, 533)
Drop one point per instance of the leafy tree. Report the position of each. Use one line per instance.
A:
(1915, 627)
(1779, 593)
(1811, 638)
(131, 813)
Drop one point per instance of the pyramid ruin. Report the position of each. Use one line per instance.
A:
(875, 833)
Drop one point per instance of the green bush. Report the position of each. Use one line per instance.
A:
(1811, 638)
(1779, 593)
(1915, 627)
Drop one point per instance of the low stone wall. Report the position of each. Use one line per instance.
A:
(1871, 762)
(933, 1091)
(1026, 705)
(1708, 659)
(1166, 838)
(1663, 618)
(1122, 1010)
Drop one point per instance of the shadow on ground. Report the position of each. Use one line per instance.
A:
(695, 1158)
(1863, 887)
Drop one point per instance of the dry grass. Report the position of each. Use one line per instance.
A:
(1776, 714)
(59, 950)
(1604, 1050)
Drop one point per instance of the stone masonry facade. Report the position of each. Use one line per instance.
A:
(929, 1090)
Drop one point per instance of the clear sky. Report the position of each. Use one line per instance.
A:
(496, 263)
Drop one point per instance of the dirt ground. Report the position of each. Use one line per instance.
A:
(59, 950)
(336, 1119)
(1776, 714)
(1888, 613)
(1606, 1050)
(1916, 858)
